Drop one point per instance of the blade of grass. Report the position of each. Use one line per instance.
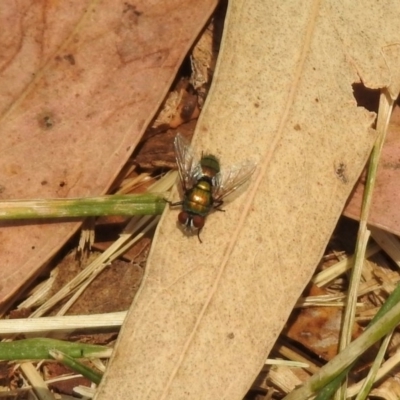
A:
(76, 366)
(369, 381)
(385, 111)
(352, 296)
(38, 349)
(133, 204)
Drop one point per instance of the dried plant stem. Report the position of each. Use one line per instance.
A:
(331, 273)
(60, 323)
(35, 379)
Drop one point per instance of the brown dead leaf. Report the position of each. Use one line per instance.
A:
(80, 81)
(207, 315)
(385, 212)
(318, 328)
(158, 151)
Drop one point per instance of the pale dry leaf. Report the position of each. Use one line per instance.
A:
(208, 314)
(80, 81)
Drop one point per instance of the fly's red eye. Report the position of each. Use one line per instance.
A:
(198, 221)
(183, 217)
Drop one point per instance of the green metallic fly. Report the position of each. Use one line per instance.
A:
(204, 185)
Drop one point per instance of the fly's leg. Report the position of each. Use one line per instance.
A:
(217, 204)
(171, 204)
(198, 235)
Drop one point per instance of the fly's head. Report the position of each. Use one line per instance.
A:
(191, 221)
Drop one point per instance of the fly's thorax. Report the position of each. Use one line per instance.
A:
(209, 165)
(204, 184)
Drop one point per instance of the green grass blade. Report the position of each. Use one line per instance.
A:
(128, 205)
(76, 366)
(38, 349)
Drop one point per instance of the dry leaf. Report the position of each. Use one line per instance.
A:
(207, 315)
(318, 328)
(386, 198)
(80, 81)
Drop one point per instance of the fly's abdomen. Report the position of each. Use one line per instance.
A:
(209, 165)
(199, 199)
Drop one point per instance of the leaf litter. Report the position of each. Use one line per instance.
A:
(94, 76)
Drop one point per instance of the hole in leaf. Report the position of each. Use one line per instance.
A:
(365, 97)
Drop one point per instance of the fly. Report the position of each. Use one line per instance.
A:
(204, 185)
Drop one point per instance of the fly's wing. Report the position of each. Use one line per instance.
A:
(188, 165)
(230, 180)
